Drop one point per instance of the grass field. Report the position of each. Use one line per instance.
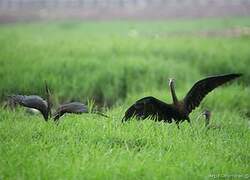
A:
(116, 63)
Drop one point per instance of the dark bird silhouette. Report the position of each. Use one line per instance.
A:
(73, 107)
(207, 115)
(179, 110)
(35, 102)
(208, 125)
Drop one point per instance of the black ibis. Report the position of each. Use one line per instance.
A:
(73, 107)
(178, 111)
(35, 102)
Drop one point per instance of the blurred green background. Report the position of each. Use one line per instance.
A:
(110, 61)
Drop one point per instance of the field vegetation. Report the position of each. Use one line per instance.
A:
(114, 64)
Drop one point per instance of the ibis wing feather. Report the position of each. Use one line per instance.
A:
(34, 102)
(203, 87)
(73, 107)
(149, 107)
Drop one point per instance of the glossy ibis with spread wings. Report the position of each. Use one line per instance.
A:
(179, 110)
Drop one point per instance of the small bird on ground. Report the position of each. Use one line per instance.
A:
(207, 115)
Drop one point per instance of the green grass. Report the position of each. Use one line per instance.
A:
(116, 63)
(109, 61)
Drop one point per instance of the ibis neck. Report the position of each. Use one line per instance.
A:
(175, 100)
